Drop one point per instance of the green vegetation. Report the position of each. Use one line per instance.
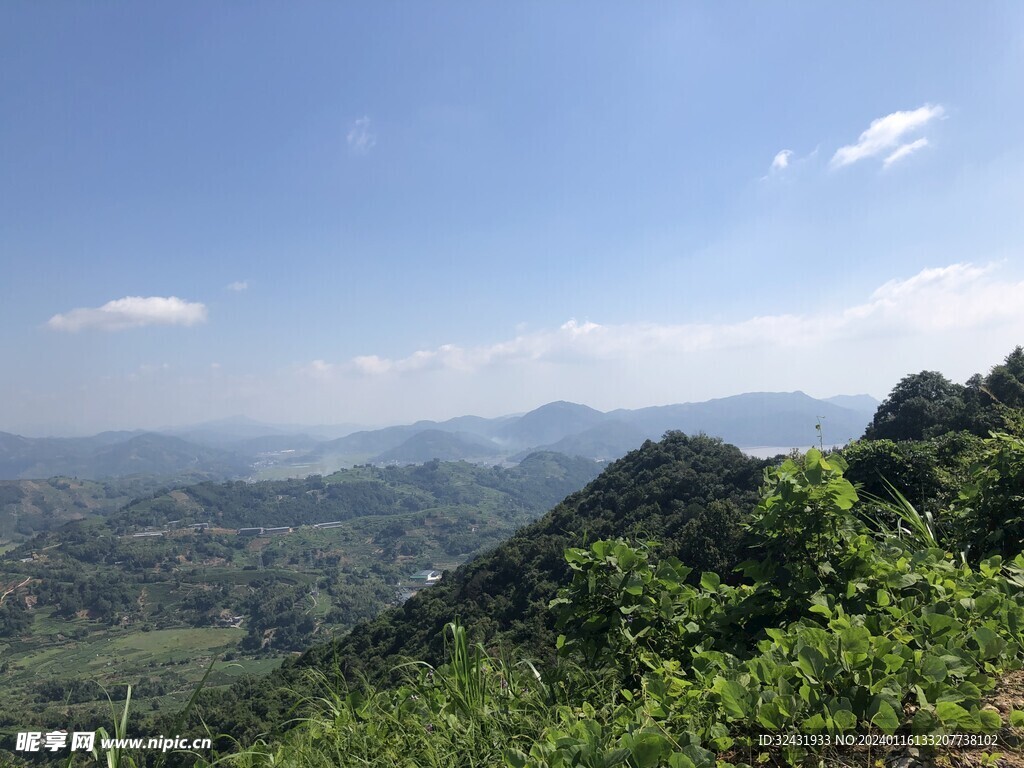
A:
(698, 498)
(688, 492)
(28, 507)
(927, 404)
(685, 601)
(838, 627)
(93, 608)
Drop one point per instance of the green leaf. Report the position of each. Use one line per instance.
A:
(647, 749)
(815, 724)
(710, 581)
(938, 623)
(844, 719)
(811, 662)
(855, 640)
(990, 721)
(933, 668)
(886, 718)
(845, 494)
(951, 713)
(989, 643)
(893, 663)
(733, 697)
(768, 715)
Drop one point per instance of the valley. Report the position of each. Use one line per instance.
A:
(149, 595)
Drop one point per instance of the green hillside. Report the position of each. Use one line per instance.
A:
(95, 606)
(28, 507)
(688, 492)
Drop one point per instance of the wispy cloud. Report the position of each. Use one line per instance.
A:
(360, 137)
(781, 161)
(238, 286)
(130, 312)
(904, 150)
(886, 135)
(970, 300)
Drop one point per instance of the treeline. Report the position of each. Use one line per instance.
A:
(927, 404)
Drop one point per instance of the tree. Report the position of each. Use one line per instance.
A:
(1005, 383)
(921, 405)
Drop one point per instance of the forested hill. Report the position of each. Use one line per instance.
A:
(688, 492)
(535, 484)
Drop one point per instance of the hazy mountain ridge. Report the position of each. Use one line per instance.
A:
(750, 419)
(243, 448)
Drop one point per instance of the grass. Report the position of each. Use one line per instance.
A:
(173, 644)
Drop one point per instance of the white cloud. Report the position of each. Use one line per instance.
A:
(238, 286)
(903, 150)
(781, 161)
(969, 300)
(130, 312)
(360, 138)
(886, 134)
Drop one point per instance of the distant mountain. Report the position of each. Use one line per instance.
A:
(861, 403)
(754, 419)
(435, 444)
(550, 423)
(368, 443)
(608, 440)
(240, 447)
(114, 455)
(153, 454)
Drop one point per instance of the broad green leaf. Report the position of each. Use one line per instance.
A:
(938, 623)
(647, 749)
(815, 724)
(886, 718)
(768, 716)
(844, 719)
(894, 663)
(811, 662)
(855, 640)
(990, 721)
(951, 714)
(933, 668)
(710, 581)
(733, 696)
(989, 643)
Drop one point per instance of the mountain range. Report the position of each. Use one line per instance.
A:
(243, 448)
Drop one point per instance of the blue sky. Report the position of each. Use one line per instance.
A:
(323, 212)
